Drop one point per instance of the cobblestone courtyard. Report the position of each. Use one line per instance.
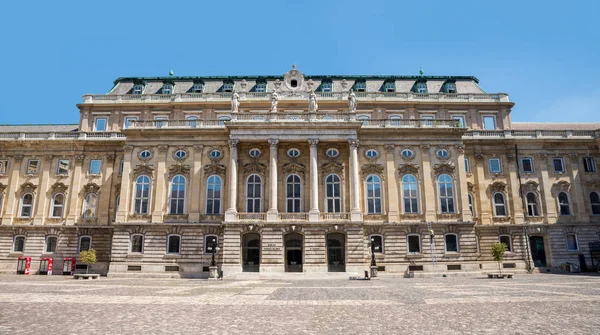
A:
(542, 303)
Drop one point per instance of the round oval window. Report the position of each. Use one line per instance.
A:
(215, 154)
(332, 152)
(145, 154)
(293, 153)
(180, 154)
(371, 153)
(407, 153)
(254, 153)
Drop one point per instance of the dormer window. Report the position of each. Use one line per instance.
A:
(450, 87)
(421, 87)
(198, 87)
(260, 86)
(389, 86)
(228, 86)
(326, 86)
(167, 89)
(360, 86)
(138, 88)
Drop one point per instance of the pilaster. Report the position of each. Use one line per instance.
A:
(12, 202)
(392, 183)
(105, 189)
(160, 185)
(43, 201)
(462, 187)
(272, 213)
(231, 212)
(355, 213)
(516, 203)
(548, 202)
(484, 212)
(578, 202)
(125, 200)
(73, 205)
(429, 193)
(314, 215)
(196, 197)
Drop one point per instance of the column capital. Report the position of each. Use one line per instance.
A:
(389, 148)
(128, 148)
(79, 159)
(353, 142)
(233, 143)
(48, 158)
(273, 142)
(111, 158)
(198, 147)
(163, 148)
(313, 142)
(18, 158)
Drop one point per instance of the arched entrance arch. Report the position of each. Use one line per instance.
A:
(293, 252)
(251, 252)
(336, 252)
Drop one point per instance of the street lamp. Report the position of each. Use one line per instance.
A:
(373, 263)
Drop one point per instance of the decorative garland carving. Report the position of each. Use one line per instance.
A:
(293, 168)
(530, 186)
(444, 167)
(460, 148)
(215, 168)
(372, 168)
(407, 168)
(58, 187)
(111, 158)
(254, 167)
(128, 148)
(498, 186)
(479, 156)
(470, 187)
(2, 188)
(91, 188)
(332, 167)
(561, 186)
(389, 148)
(179, 169)
(28, 187)
(143, 169)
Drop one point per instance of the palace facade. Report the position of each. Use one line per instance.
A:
(298, 173)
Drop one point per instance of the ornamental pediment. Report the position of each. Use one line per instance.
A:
(444, 168)
(293, 168)
(91, 188)
(143, 169)
(372, 168)
(28, 187)
(408, 168)
(498, 186)
(59, 187)
(255, 167)
(215, 168)
(179, 169)
(332, 167)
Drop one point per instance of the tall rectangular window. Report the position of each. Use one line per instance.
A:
(95, 165)
(495, 166)
(558, 164)
(3, 166)
(100, 124)
(527, 164)
(32, 166)
(63, 167)
(572, 244)
(121, 168)
(127, 123)
(467, 167)
(589, 165)
(460, 119)
(414, 244)
(489, 122)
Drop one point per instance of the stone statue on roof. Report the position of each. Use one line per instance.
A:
(235, 102)
(351, 101)
(312, 103)
(274, 101)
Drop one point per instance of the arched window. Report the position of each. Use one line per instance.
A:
(137, 243)
(58, 205)
(410, 194)
(142, 195)
(254, 194)
(213, 195)
(333, 194)
(173, 244)
(446, 193)
(499, 204)
(293, 194)
(85, 243)
(563, 202)
(532, 205)
(26, 205)
(451, 242)
(594, 200)
(19, 244)
(373, 194)
(177, 203)
(51, 242)
(89, 206)
(471, 205)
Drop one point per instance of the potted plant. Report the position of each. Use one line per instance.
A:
(498, 251)
(87, 257)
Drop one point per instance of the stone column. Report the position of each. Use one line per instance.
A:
(546, 202)
(429, 182)
(231, 212)
(43, 202)
(74, 214)
(392, 183)
(462, 188)
(160, 185)
(485, 209)
(124, 198)
(516, 203)
(195, 182)
(13, 192)
(272, 212)
(355, 213)
(314, 215)
(578, 200)
(105, 194)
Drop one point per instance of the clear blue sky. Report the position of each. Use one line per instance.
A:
(545, 54)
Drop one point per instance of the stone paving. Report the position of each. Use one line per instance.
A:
(540, 303)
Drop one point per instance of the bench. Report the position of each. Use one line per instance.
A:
(500, 275)
(85, 276)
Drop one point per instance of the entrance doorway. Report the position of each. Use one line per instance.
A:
(293, 252)
(336, 253)
(251, 252)
(538, 253)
